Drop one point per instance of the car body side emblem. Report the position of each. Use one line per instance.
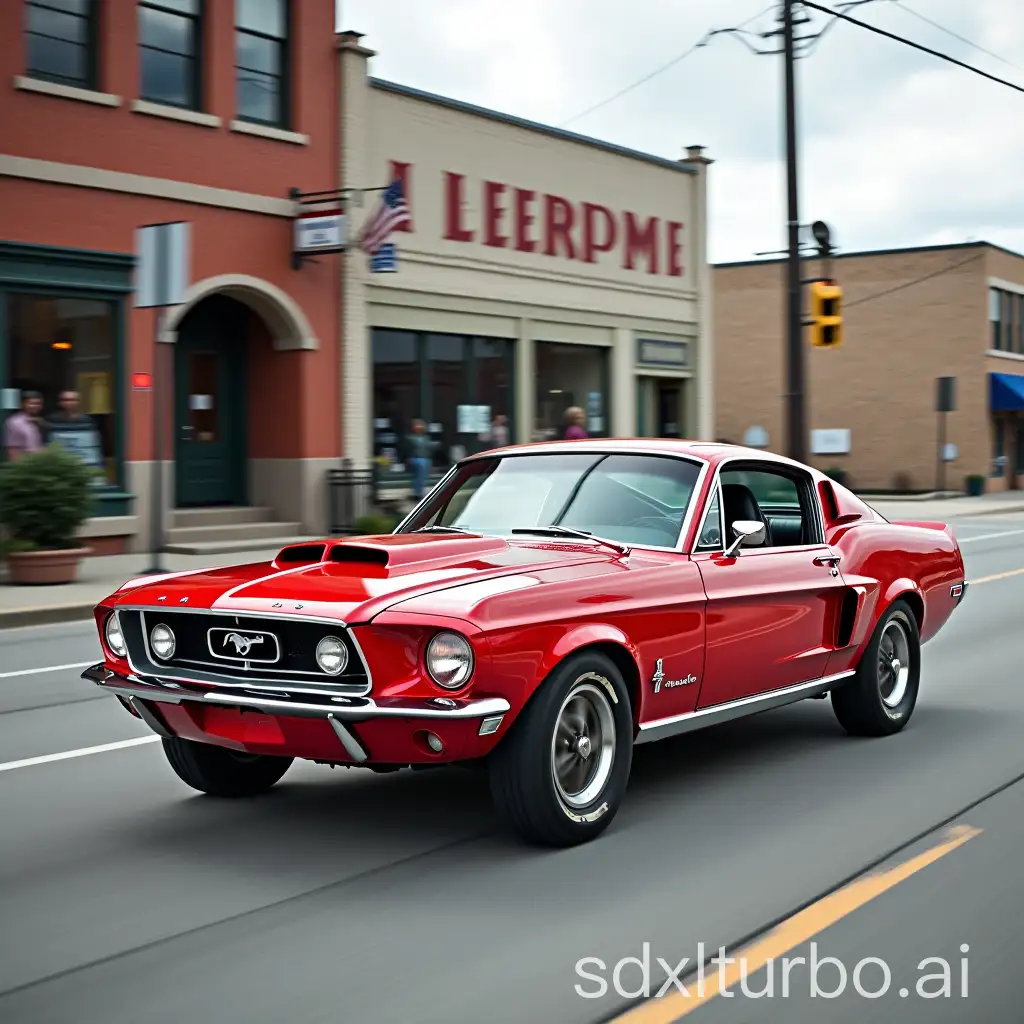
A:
(659, 680)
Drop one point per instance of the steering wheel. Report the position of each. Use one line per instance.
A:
(666, 526)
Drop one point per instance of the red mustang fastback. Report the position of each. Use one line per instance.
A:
(542, 610)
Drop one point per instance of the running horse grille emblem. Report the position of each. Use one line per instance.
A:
(242, 644)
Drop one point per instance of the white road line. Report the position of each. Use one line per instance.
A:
(991, 536)
(28, 762)
(49, 668)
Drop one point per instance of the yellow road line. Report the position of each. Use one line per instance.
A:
(997, 576)
(793, 932)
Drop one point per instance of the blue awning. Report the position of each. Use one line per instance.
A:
(1006, 392)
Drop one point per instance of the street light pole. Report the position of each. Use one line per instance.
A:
(796, 433)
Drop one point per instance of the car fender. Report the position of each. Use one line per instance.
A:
(580, 636)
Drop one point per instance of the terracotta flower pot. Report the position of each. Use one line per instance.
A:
(46, 567)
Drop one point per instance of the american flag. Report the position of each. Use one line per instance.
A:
(391, 213)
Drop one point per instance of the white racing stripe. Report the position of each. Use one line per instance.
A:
(48, 668)
(28, 762)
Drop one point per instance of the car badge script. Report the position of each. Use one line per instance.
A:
(659, 680)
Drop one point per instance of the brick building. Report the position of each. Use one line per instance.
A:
(119, 114)
(911, 316)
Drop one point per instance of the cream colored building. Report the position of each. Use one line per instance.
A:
(542, 270)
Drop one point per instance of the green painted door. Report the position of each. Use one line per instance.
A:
(210, 414)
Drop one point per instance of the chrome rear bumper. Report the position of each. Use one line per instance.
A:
(353, 709)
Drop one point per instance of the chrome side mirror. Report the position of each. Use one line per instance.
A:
(747, 532)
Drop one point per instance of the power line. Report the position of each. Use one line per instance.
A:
(955, 35)
(916, 281)
(703, 41)
(912, 44)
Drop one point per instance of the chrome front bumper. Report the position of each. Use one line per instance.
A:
(337, 709)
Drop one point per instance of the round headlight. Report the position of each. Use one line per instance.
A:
(331, 655)
(113, 635)
(162, 642)
(450, 660)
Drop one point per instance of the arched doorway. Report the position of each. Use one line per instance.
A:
(210, 408)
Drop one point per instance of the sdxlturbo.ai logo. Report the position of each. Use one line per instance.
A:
(765, 978)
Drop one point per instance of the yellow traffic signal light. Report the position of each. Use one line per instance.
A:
(826, 319)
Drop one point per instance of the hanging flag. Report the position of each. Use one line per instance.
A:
(392, 212)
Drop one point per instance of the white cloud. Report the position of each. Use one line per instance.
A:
(898, 147)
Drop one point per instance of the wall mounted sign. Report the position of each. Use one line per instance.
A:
(322, 231)
(668, 354)
(830, 442)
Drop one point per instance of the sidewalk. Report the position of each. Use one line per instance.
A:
(97, 579)
(933, 508)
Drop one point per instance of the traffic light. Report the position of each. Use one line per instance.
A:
(826, 321)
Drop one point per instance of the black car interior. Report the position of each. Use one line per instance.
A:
(782, 502)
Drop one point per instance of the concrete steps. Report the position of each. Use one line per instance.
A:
(212, 531)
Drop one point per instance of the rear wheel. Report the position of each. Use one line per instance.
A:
(559, 776)
(223, 772)
(880, 699)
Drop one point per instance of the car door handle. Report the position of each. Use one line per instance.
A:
(832, 560)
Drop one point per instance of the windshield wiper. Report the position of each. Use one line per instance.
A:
(566, 531)
(441, 529)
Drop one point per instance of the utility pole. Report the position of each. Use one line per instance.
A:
(796, 432)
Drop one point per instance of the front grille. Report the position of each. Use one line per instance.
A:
(255, 651)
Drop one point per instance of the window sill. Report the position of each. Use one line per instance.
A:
(176, 113)
(266, 132)
(1016, 356)
(66, 92)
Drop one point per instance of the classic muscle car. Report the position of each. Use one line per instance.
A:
(544, 608)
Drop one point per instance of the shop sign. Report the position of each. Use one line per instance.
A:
(830, 442)
(670, 354)
(323, 231)
(474, 419)
(82, 439)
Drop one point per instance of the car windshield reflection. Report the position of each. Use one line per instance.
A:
(631, 499)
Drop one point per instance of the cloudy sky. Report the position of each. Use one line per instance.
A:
(898, 147)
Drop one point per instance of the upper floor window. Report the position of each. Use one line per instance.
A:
(261, 61)
(170, 52)
(61, 41)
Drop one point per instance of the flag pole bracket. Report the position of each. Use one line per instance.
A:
(327, 201)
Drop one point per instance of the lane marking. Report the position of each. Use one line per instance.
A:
(81, 752)
(996, 576)
(49, 668)
(793, 932)
(991, 536)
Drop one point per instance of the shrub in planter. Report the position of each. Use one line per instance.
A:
(975, 485)
(44, 498)
(374, 524)
(836, 473)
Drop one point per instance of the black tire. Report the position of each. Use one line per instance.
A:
(219, 771)
(538, 802)
(879, 701)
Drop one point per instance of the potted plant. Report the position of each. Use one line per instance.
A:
(975, 485)
(836, 473)
(44, 498)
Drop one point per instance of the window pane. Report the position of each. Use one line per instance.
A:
(65, 348)
(396, 394)
(258, 54)
(171, 32)
(265, 16)
(448, 391)
(767, 488)
(55, 25)
(570, 377)
(72, 6)
(711, 534)
(993, 304)
(259, 97)
(66, 62)
(182, 6)
(167, 78)
(493, 360)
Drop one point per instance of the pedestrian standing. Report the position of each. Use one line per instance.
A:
(23, 431)
(420, 449)
(574, 420)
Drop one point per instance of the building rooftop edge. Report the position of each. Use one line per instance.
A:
(861, 253)
(559, 133)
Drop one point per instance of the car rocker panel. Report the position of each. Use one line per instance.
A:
(663, 604)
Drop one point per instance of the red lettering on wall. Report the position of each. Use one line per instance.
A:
(454, 229)
(403, 172)
(675, 249)
(641, 241)
(559, 217)
(596, 240)
(494, 214)
(523, 219)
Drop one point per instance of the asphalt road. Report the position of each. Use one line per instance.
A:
(348, 897)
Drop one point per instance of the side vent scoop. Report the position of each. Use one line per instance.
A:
(355, 553)
(300, 554)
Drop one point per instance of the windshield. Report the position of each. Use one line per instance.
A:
(634, 499)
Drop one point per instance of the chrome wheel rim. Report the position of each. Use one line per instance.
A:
(583, 744)
(893, 664)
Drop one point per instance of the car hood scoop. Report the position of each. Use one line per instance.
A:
(394, 552)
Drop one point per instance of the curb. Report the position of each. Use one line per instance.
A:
(45, 615)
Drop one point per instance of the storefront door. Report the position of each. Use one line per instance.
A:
(209, 410)
(661, 411)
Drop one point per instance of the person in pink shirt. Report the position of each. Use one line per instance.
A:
(22, 433)
(574, 420)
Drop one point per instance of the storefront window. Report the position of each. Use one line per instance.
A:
(461, 387)
(571, 376)
(65, 349)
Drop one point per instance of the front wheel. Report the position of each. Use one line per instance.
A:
(880, 699)
(561, 773)
(223, 772)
